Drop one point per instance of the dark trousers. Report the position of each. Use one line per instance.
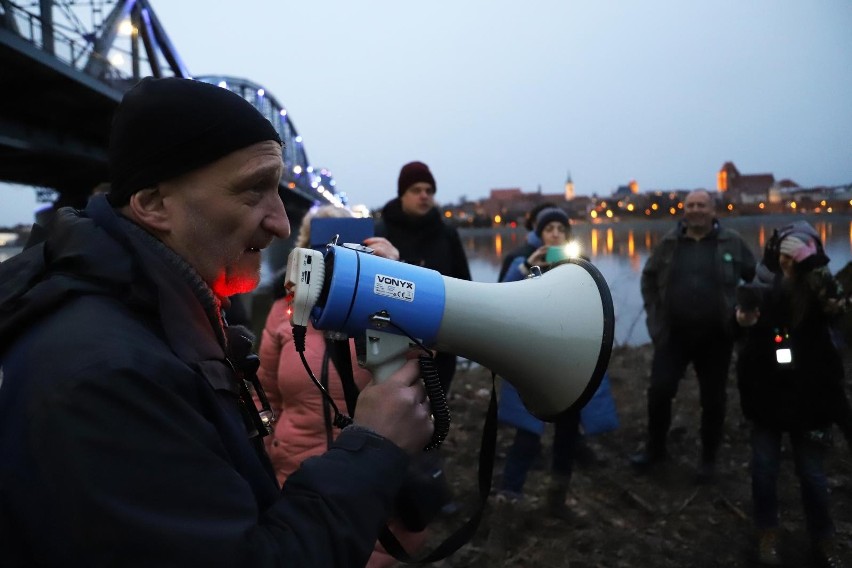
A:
(808, 457)
(527, 445)
(710, 354)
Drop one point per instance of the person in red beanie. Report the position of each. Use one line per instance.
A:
(413, 224)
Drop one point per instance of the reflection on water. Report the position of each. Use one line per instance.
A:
(619, 251)
(8, 252)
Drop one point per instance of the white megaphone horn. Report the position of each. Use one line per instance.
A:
(549, 335)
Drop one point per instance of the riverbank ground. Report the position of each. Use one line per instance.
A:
(662, 519)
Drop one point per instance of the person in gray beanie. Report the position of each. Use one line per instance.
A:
(553, 229)
(531, 242)
(128, 429)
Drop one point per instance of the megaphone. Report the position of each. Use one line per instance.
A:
(550, 335)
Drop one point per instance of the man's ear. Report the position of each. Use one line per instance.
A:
(147, 207)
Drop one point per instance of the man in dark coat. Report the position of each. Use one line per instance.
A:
(413, 224)
(688, 289)
(127, 433)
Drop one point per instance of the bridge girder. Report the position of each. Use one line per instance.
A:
(55, 112)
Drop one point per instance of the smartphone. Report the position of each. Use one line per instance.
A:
(555, 254)
(348, 229)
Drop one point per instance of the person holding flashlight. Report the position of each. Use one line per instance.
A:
(790, 378)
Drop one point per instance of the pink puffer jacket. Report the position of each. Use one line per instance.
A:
(300, 429)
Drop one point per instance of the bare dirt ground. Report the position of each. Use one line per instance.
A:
(660, 519)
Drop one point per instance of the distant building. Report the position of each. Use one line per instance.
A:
(569, 188)
(738, 194)
(511, 205)
(743, 189)
(780, 190)
(580, 207)
(505, 194)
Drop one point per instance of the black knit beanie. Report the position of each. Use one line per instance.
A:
(548, 215)
(164, 128)
(411, 173)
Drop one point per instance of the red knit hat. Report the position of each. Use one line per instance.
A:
(414, 172)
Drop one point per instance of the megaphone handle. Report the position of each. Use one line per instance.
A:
(436, 395)
(382, 372)
(385, 354)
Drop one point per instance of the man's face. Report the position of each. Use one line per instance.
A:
(554, 234)
(698, 211)
(223, 214)
(418, 199)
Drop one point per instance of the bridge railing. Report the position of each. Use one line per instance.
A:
(298, 173)
(66, 44)
(92, 48)
(114, 48)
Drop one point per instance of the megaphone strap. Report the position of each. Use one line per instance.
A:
(462, 536)
(299, 333)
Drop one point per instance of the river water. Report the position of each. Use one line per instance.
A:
(619, 251)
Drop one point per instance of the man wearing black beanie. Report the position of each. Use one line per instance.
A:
(413, 224)
(128, 430)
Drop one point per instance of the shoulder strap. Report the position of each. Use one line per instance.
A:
(340, 356)
(326, 407)
(464, 533)
(338, 349)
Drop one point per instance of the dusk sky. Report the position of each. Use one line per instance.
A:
(498, 94)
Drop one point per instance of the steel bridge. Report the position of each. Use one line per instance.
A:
(64, 66)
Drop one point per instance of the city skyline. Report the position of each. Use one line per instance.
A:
(23, 194)
(494, 94)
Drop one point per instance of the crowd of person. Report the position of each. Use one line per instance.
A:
(138, 428)
(704, 293)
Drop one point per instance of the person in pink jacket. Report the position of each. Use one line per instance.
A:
(304, 419)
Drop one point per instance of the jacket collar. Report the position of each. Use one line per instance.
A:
(393, 214)
(715, 228)
(190, 314)
(99, 252)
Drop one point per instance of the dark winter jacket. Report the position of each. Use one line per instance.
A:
(530, 245)
(122, 438)
(734, 262)
(424, 241)
(806, 394)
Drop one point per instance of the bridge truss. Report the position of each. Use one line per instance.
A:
(64, 66)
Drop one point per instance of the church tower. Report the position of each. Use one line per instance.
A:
(569, 188)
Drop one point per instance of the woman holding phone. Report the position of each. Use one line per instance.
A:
(553, 228)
